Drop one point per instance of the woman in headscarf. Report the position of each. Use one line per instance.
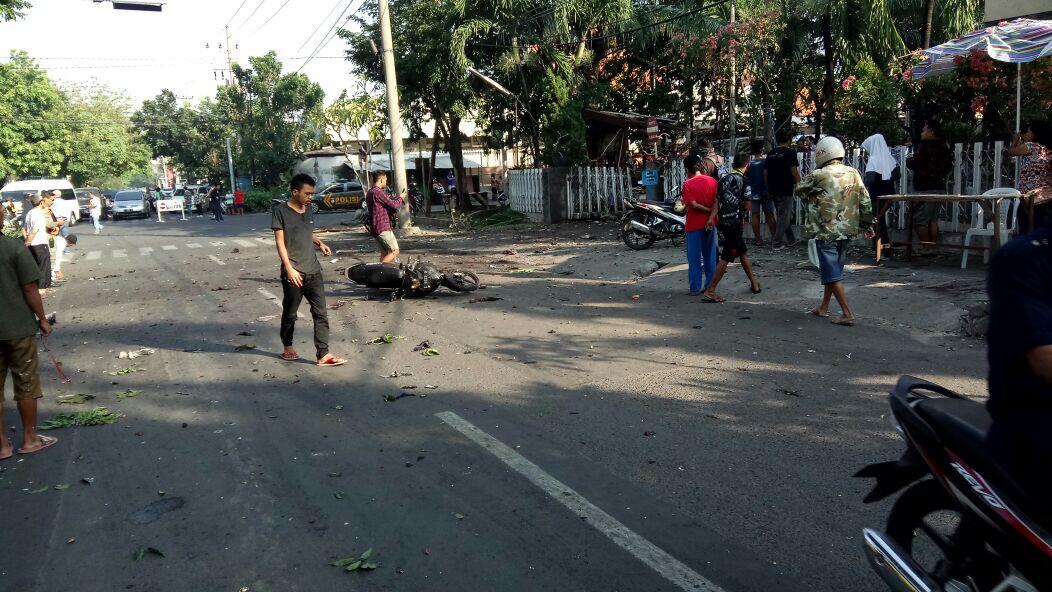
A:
(880, 176)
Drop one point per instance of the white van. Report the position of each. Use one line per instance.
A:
(16, 190)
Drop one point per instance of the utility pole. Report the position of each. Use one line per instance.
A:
(733, 119)
(230, 165)
(229, 54)
(394, 114)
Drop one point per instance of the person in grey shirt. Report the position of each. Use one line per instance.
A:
(301, 277)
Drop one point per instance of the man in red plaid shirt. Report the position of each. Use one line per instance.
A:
(381, 208)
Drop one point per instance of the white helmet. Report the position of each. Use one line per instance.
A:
(827, 149)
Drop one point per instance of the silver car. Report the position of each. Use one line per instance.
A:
(130, 203)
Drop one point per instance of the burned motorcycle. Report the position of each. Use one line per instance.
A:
(413, 279)
(647, 221)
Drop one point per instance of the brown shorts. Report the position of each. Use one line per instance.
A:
(386, 241)
(20, 356)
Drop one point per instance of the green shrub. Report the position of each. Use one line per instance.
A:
(259, 199)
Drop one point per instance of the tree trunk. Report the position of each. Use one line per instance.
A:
(430, 173)
(829, 84)
(929, 13)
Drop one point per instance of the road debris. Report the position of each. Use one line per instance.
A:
(484, 299)
(128, 393)
(124, 371)
(138, 353)
(245, 347)
(422, 346)
(94, 417)
(144, 551)
(77, 399)
(362, 562)
(266, 318)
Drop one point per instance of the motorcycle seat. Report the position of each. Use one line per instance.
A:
(964, 426)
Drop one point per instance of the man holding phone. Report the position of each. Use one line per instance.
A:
(301, 277)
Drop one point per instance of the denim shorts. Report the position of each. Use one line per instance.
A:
(764, 202)
(831, 258)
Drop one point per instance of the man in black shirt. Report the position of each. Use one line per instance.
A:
(301, 277)
(781, 173)
(732, 197)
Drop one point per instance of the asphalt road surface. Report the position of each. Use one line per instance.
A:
(567, 437)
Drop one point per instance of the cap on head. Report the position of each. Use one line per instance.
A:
(827, 149)
(55, 194)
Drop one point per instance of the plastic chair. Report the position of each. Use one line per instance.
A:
(1009, 209)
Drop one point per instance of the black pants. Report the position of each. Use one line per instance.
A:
(313, 289)
(42, 255)
(217, 211)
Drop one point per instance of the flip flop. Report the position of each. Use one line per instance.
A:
(12, 453)
(289, 357)
(844, 322)
(815, 312)
(710, 300)
(333, 361)
(755, 290)
(45, 442)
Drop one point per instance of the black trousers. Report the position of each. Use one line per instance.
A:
(313, 289)
(42, 255)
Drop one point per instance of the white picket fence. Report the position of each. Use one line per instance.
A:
(592, 192)
(526, 192)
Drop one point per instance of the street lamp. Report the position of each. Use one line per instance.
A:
(134, 5)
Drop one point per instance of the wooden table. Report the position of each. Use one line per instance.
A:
(992, 203)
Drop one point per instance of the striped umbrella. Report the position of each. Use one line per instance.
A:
(1015, 42)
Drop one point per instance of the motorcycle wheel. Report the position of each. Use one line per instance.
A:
(634, 239)
(928, 524)
(460, 281)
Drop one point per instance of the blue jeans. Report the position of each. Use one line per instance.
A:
(701, 255)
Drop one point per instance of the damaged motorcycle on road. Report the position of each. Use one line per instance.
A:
(413, 279)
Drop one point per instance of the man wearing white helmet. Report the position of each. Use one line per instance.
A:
(838, 209)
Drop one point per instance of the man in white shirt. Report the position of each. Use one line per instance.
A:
(95, 211)
(64, 210)
(37, 237)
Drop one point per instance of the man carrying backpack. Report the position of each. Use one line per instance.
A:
(712, 164)
(732, 195)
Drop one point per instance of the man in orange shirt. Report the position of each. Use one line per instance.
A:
(699, 198)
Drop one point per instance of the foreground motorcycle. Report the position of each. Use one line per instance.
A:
(645, 222)
(963, 525)
(413, 279)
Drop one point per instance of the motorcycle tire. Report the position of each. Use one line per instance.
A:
(461, 281)
(926, 507)
(634, 239)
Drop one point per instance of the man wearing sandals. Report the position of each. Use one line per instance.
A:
(293, 226)
(23, 316)
(838, 209)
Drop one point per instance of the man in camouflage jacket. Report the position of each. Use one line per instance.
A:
(838, 209)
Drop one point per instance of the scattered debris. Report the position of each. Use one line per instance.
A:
(337, 305)
(266, 318)
(527, 270)
(88, 480)
(459, 516)
(338, 495)
(484, 299)
(93, 417)
(144, 551)
(128, 393)
(245, 347)
(430, 352)
(635, 296)
(131, 355)
(647, 268)
(790, 393)
(388, 338)
(62, 487)
(246, 333)
(392, 398)
(236, 250)
(649, 434)
(77, 399)
(359, 563)
(123, 371)
(40, 490)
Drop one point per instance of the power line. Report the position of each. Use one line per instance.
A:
(326, 38)
(273, 15)
(320, 23)
(239, 7)
(252, 14)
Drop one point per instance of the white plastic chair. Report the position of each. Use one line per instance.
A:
(1009, 209)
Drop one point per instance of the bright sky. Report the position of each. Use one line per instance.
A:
(140, 53)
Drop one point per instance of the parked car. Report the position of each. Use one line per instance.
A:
(130, 202)
(84, 199)
(17, 190)
(193, 196)
(107, 202)
(341, 195)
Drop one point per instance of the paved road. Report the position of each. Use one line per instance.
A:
(576, 439)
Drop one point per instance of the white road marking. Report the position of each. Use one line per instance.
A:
(265, 240)
(144, 251)
(118, 253)
(93, 255)
(277, 301)
(168, 248)
(193, 245)
(664, 564)
(244, 243)
(217, 243)
(216, 259)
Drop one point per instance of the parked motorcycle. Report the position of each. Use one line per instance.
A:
(645, 222)
(413, 279)
(964, 524)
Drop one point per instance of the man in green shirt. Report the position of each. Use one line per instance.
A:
(23, 315)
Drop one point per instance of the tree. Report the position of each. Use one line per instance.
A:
(272, 113)
(103, 145)
(347, 116)
(13, 9)
(33, 137)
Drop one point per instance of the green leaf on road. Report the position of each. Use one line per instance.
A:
(128, 393)
(124, 371)
(343, 562)
(430, 352)
(368, 553)
(144, 551)
(41, 490)
(62, 486)
(245, 347)
(388, 338)
(354, 566)
(93, 417)
(528, 270)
